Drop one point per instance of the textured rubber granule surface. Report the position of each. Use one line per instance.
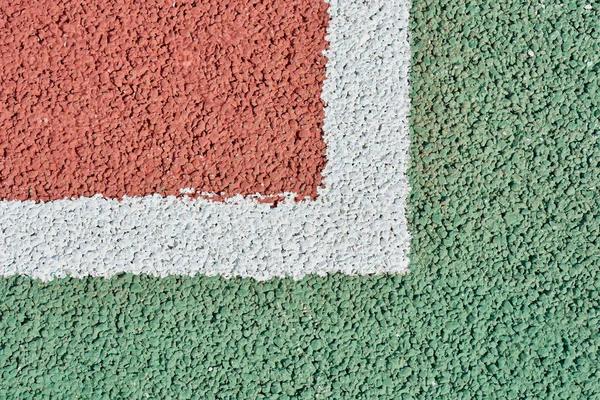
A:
(503, 296)
(135, 98)
(452, 332)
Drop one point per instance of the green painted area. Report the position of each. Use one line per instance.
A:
(503, 300)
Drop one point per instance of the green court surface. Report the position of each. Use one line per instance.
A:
(502, 300)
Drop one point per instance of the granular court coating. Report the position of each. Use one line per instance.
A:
(130, 98)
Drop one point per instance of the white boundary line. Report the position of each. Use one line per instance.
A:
(357, 225)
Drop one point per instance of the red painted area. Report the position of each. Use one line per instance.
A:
(131, 98)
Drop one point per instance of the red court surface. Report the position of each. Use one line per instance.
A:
(126, 98)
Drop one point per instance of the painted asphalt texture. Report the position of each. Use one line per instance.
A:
(502, 300)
